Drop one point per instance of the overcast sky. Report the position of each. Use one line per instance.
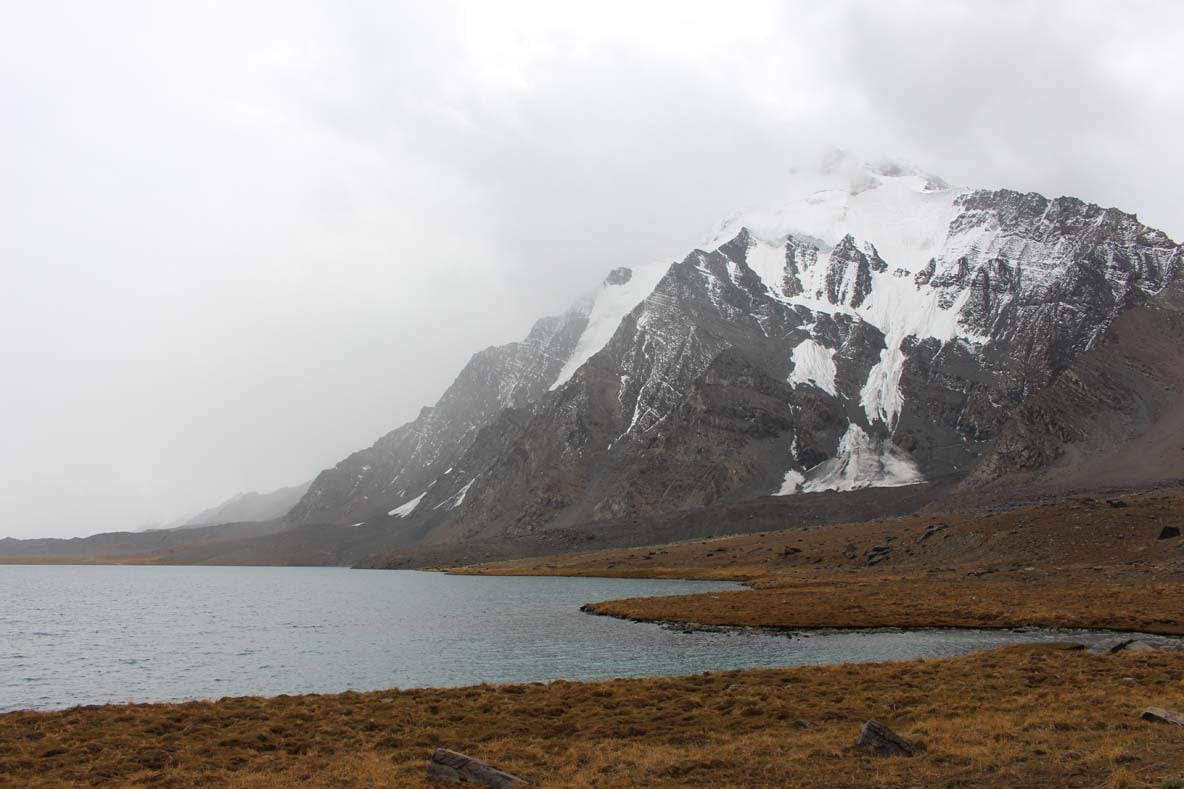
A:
(242, 239)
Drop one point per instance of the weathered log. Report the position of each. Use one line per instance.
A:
(450, 767)
(883, 741)
(1160, 715)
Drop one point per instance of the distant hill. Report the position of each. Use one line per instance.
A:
(148, 547)
(250, 506)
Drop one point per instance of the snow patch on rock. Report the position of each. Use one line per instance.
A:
(403, 510)
(611, 304)
(906, 216)
(455, 501)
(813, 363)
(863, 462)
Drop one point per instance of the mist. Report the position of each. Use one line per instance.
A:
(241, 241)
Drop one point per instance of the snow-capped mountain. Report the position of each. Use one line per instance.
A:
(873, 330)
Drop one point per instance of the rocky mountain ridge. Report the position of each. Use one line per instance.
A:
(249, 506)
(875, 331)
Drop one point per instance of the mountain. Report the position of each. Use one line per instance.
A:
(249, 507)
(876, 341)
(877, 329)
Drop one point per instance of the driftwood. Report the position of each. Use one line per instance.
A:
(450, 767)
(1160, 715)
(883, 741)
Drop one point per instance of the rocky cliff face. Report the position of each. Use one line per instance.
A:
(1112, 418)
(876, 331)
(375, 481)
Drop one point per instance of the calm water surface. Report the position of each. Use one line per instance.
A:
(87, 635)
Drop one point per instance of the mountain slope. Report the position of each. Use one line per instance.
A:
(387, 480)
(249, 507)
(1114, 418)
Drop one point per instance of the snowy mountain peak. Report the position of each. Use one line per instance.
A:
(845, 170)
(872, 328)
(904, 212)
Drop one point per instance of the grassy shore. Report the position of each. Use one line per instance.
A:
(1077, 563)
(1032, 716)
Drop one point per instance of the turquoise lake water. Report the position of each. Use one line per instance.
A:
(96, 634)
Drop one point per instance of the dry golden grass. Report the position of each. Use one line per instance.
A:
(1076, 563)
(1022, 716)
(1080, 533)
(896, 602)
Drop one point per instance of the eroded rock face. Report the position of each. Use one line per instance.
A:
(799, 256)
(849, 274)
(1111, 417)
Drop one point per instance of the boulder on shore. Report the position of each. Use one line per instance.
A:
(1160, 715)
(450, 767)
(883, 741)
(1111, 645)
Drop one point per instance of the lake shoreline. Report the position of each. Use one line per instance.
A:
(988, 717)
(1065, 564)
(791, 726)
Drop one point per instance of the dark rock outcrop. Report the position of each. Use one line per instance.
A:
(450, 767)
(882, 741)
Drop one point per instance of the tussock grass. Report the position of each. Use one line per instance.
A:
(1003, 603)
(1037, 715)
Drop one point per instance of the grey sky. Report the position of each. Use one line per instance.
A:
(241, 240)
